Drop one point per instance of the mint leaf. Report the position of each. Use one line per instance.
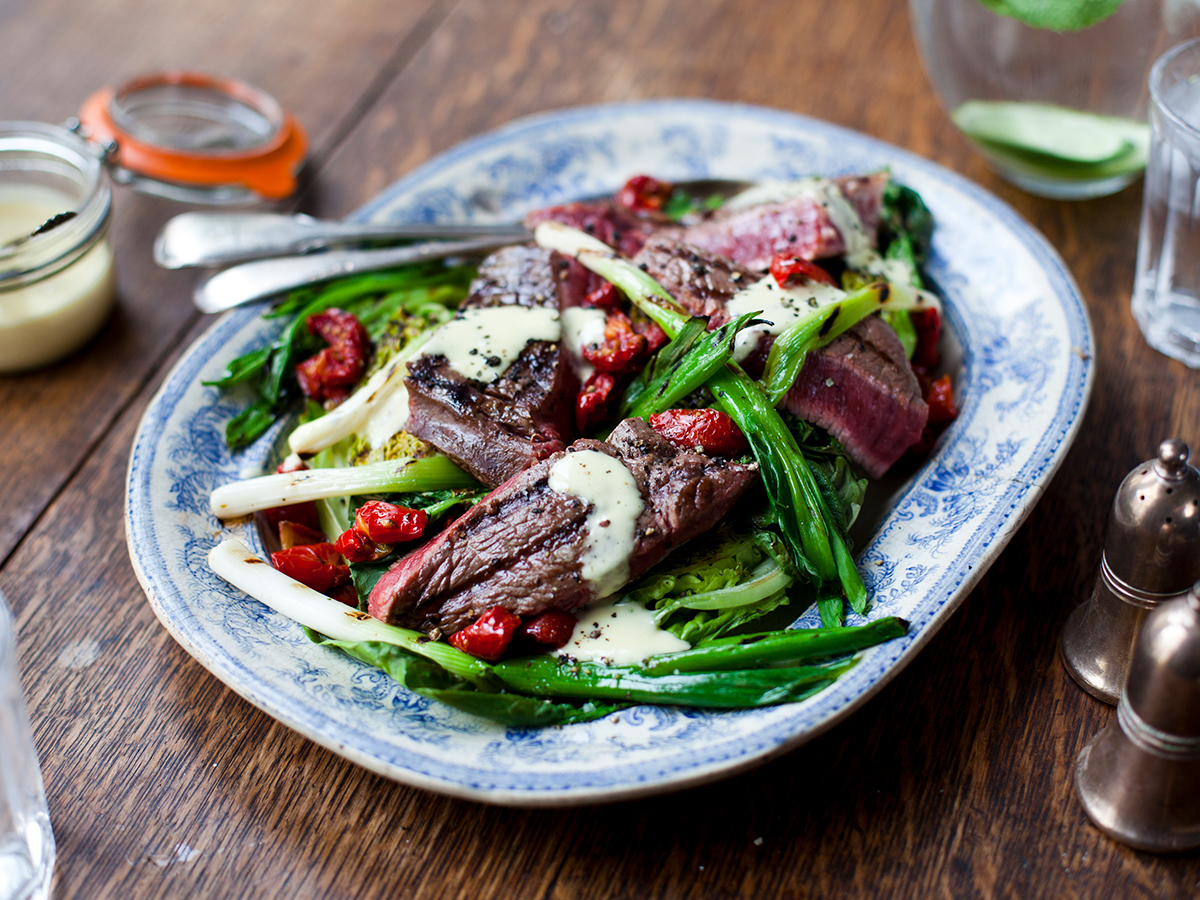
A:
(1055, 15)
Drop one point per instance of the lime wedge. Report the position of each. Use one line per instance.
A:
(1065, 134)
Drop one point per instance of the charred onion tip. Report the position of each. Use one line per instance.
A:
(885, 291)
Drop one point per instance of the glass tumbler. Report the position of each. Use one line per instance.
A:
(1058, 110)
(26, 841)
(1166, 289)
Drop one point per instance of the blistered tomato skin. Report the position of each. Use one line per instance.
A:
(293, 534)
(488, 636)
(791, 271)
(592, 404)
(551, 629)
(709, 429)
(603, 297)
(928, 325)
(358, 548)
(642, 193)
(328, 376)
(319, 566)
(623, 349)
(386, 523)
(940, 399)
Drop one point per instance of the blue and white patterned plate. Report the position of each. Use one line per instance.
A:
(1024, 376)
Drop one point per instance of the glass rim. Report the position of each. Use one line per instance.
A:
(1155, 85)
(49, 254)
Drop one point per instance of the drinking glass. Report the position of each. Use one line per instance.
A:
(1166, 289)
(26, 841)
(1058, 110)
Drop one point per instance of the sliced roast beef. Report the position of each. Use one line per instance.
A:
(605, 220)
(804, 225)
(701, 281)
(859, 387)
(537, 542)
(500, 424)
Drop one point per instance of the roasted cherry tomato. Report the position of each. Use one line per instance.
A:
(603, 297)
(552, 628)
(709, 429)
(650, 330)
(489, 635)
(358, 548)
(928, 324)
(386, 523)
(623, 350)
(592, 404)
(790, 271)
(642, 193)
(940, 398)
(294, 534)
(319, 566)
(329, 375)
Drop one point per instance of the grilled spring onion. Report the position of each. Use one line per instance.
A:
(740, 678)
(434, 473)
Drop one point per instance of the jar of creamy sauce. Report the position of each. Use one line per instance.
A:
(56, 288)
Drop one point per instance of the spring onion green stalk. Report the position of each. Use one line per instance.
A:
(795, 496)
(358, 634)
(434, 473)
(375, 394)
(233, 561)
(685, 364)
(825, 322)
(799, 645)
(741, 689)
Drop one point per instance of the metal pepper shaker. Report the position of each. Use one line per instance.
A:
(1139, 779)
(1151, 556)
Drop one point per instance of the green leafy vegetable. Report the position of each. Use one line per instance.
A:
(424, 291)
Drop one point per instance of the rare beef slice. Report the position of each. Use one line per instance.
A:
(801, 225)
(527, 546)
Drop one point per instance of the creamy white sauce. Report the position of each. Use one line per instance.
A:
(619, 634)
(606, 485)
(582, 326)
(481, 343)
(388, 419)
(46, 320)
(780, 307)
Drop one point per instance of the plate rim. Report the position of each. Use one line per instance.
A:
(1050, 263)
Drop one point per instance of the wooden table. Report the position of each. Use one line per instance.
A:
(955, 781)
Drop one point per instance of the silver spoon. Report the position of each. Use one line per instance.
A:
(218, 238)
(266, 277)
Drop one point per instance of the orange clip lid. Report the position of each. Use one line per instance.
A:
(193, 129)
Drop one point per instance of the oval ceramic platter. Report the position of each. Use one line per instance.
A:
(1024, 375)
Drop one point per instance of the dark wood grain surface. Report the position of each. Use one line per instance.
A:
(954, 782)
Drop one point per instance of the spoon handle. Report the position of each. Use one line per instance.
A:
(266, 277)
(219, 238)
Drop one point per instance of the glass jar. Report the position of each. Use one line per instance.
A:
(1059, 113)
(56, 287)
